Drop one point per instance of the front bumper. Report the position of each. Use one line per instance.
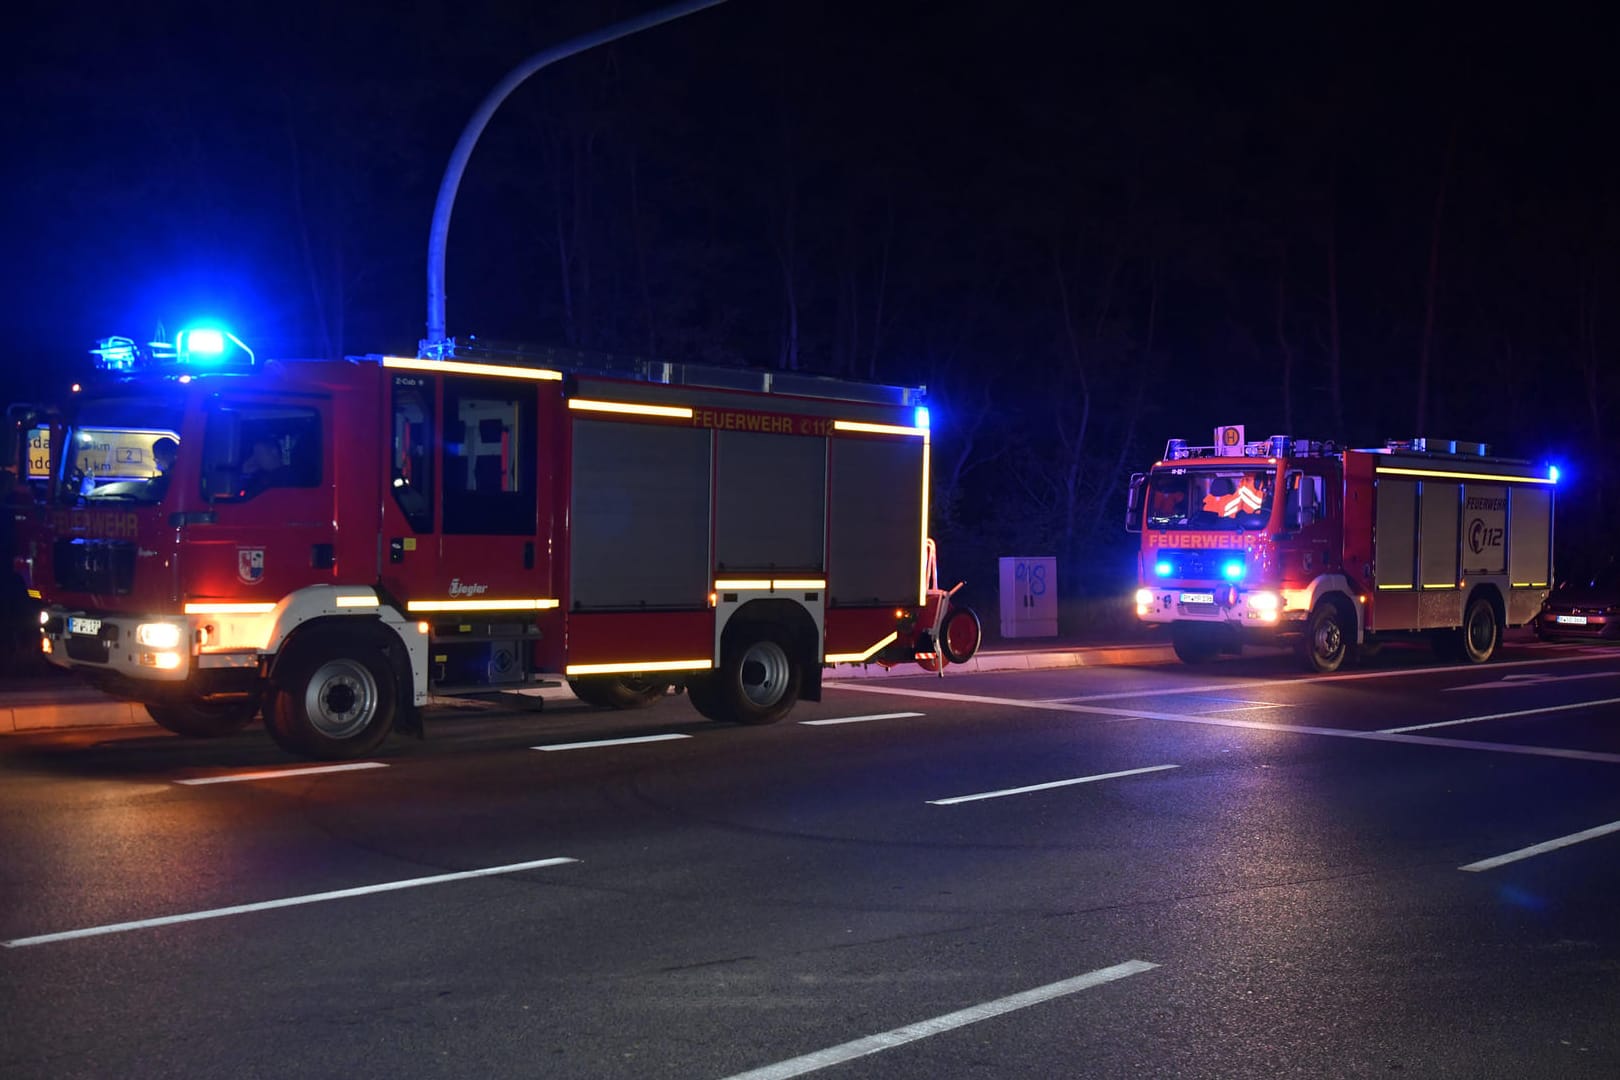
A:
(1554, 625)
(1249, 611)
(117, 645)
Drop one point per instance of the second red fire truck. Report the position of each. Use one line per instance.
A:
(331, 543)
(1336, 550)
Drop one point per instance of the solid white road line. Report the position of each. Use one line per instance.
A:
(291, 901)
(1509, 682)
(1235, 684)
(1256, 725)
(1542, 849)
(859, 719)
(1047, 786)
(888, 1040)
(280, 774)
(610, 742)
(1502, 715)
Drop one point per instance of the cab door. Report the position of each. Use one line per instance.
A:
(265, 530)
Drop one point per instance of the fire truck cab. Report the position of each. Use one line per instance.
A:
(1337, 550)
(332, 543)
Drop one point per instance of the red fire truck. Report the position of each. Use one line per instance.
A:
(331, 543)
(1339, 550)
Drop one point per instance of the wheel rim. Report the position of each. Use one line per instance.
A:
(1329, 639)
(765, 670)
(341, 698)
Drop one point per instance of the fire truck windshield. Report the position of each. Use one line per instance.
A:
(120, 449)
(1224, 498)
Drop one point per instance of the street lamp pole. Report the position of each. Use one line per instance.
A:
(440, 230)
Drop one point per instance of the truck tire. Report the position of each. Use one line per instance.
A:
(1479, 636)
(1327, 639)
(204, 719)
(959, 638)
(759, 677)
(336, 697)
(617, 691)
(702, 692)
(1194, 644)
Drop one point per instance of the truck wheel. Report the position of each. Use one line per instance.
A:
(204, 719)
(1194, 644)
(1327, 640)
(959, 638)
(702, 692)
(1479, 635)
(759, 677)
(335, 697)
(617, 692)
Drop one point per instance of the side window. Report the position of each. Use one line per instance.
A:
(412, 473)
(251, 447)
(1302, 502)
(489, 458)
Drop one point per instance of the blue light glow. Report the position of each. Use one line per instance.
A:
(205, 340)
(921, 417)
(1163, 568)
(1232, 570)
(1552, 473)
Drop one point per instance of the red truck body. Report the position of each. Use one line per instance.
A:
(338, 541)
(1337, 550)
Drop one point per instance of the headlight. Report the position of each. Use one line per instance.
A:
(1264, 601)
(158, 635)
(1144, 597)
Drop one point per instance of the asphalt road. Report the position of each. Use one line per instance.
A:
(1232, 870)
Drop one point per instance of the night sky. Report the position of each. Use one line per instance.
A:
(1085, 229)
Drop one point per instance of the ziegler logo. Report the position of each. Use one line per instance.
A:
(1482, 536)
(458, 589)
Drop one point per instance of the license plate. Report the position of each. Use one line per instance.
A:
(92, 627)
(1573, 620)
(1197, 598)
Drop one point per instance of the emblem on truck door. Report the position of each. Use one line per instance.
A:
(250, 565)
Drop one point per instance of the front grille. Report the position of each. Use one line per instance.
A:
(106, 567)
(1197, 565)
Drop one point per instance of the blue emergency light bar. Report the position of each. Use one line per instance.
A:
(195, 348)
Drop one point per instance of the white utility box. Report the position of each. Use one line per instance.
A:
(1029, 606)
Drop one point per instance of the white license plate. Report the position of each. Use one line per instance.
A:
(1573, 620)
(1197, 598)
(92, 627)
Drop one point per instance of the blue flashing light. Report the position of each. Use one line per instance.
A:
(204, 340)
(198, 345)
(1163, 568)
(920, 417)
(1232, 570)
(1552, 473)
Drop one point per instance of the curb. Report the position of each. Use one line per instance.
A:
(29, 711)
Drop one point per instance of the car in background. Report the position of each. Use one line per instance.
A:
(1583, 608)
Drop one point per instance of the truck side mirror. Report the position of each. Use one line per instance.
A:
(1133, 503)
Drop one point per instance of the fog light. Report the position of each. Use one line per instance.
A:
(158, 635)
(45, 646)
(163, 661)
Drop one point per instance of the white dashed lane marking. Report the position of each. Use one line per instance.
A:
(290, 901)
(888, 1040)
(1048, 785)
(282, 774)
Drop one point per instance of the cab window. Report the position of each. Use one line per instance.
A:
(253, 447)
(489, 458)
